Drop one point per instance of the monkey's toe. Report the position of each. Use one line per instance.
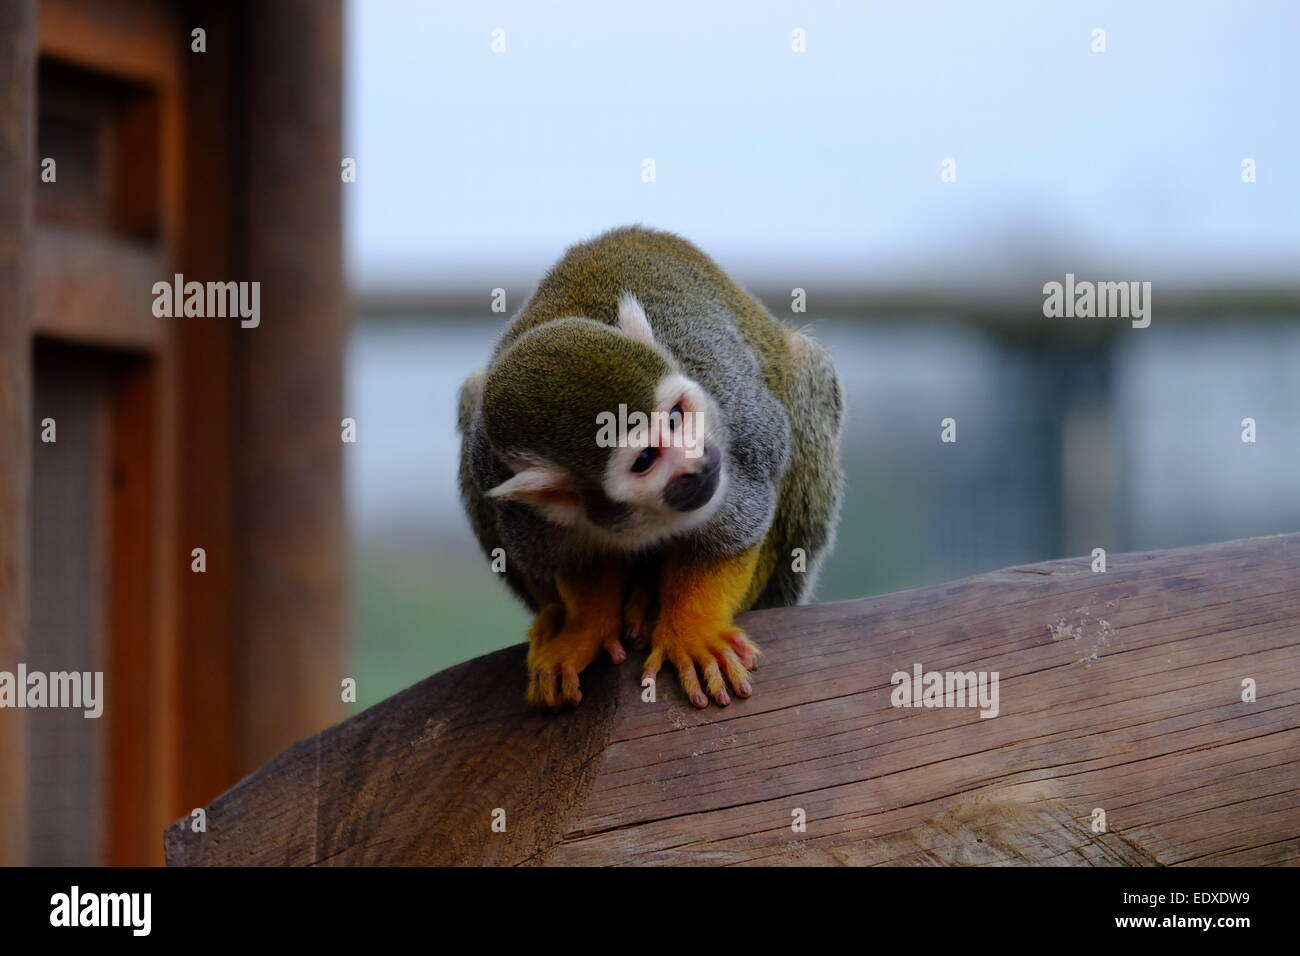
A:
(718, 657)
(542, 688)
(745, 649)
(554, 664)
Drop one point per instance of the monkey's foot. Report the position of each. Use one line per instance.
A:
(558, 652)
(716, 651)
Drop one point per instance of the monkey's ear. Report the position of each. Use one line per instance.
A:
(543, 486)
(632, 320)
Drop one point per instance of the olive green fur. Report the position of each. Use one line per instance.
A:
(528, 406)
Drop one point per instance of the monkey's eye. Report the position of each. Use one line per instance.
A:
(675, 417)
(645, 460)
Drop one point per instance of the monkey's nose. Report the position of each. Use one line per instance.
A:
(694, 489)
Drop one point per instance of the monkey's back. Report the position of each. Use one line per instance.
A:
(670, 276)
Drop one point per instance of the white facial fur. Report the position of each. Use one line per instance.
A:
(644, 490)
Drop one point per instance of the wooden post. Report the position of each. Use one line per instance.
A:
(208, 698)
(18, 175)
(1124, 735)
(289, 379)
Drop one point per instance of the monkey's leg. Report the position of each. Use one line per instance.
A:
(566, 637)
(697, 599)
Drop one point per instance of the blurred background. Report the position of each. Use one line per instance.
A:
(199, 534)
(489, 137)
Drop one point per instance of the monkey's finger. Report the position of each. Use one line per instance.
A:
(714, 682)
(569, 680)
(736, 673)
(534, 694)
(746, 649)
(617, 653)
(690, 683)
(541, 688)
(546, 680)
(653, 662)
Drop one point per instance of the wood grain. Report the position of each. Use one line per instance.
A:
(1119, 691)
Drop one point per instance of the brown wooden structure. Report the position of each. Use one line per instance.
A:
(172, 433)
(1120, 693)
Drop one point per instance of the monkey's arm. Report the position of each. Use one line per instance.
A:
(568, 634)
(697, 598)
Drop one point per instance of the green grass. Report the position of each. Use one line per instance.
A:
(414, 617)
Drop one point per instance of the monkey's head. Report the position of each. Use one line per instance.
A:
(603, 432)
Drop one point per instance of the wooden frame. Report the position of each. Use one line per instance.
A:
(88, 290)
(206, 673)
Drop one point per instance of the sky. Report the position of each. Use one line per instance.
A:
(478, 167)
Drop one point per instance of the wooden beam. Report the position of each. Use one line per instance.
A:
(289, 379)
(132, 39)
(1119, 692)
(18, 175)
(95, 289)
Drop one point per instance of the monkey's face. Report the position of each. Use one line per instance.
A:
(669, 466)
(603, 434)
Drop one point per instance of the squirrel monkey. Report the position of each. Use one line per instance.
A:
(655, 453)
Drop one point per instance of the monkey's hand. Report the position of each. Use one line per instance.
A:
(566, 637)
(695, 630)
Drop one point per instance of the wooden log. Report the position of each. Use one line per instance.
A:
(1118, 693)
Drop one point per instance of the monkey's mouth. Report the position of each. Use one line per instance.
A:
(694, 490)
